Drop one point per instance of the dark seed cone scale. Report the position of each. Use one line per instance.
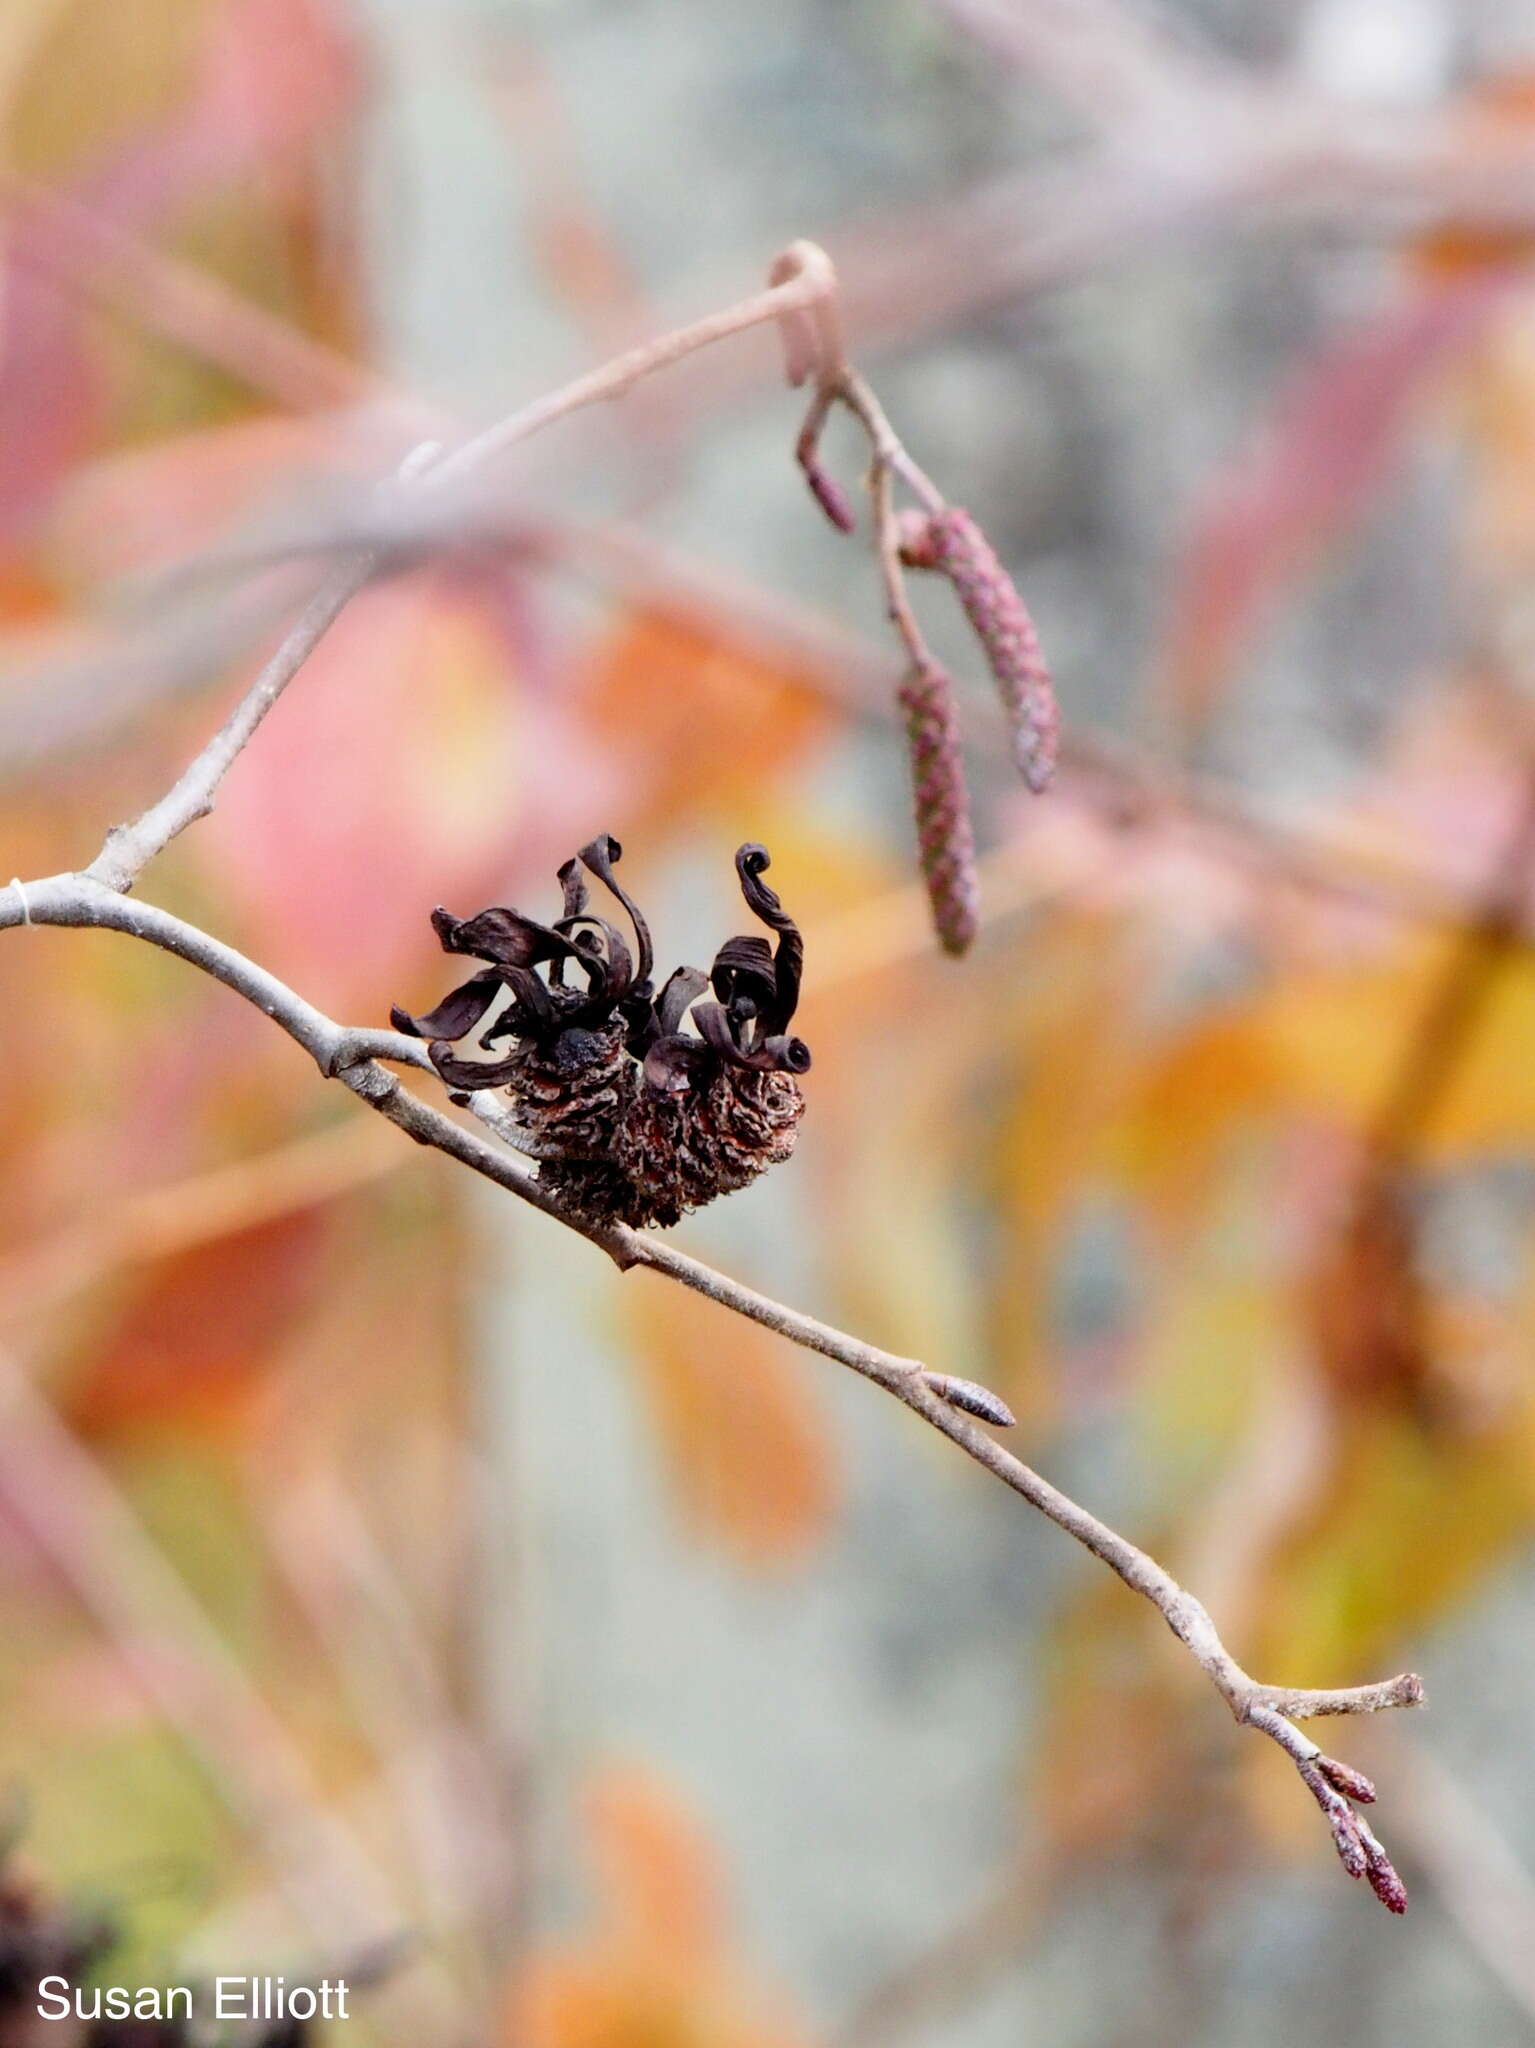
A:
(685, 1150)
(573, 1097)
(637, 1106)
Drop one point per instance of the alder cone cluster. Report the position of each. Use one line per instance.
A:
(638, 1105)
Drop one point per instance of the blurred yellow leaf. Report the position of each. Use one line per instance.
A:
(1411, 1520)
(1328, 1042)
(99, 74)
(1073, 1041)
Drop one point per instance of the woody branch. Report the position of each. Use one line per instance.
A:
(802, 299)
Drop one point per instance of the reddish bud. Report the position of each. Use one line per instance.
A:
(915, 540)
(1353, 1784)
(1384, 1882)
(830, 496)
(1345, 1836)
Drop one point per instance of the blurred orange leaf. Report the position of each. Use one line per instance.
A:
(739, 1426)
(1412, 1518)
(656, 1971)
(698, 718)
(198, 1330)
(1326, 1042)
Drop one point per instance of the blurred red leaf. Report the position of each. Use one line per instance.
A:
(269, 80)
(397, 774)
(50, 393)
(198, 1330)
(142, 508)
(277, 74)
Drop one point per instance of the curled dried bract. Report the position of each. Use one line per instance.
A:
(637, 1105)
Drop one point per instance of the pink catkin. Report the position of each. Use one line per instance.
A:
(951, 542)
(945, 842)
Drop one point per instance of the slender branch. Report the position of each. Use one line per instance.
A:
(802, 292)
(130, 848)
(801, 299)
(807, 289)
(352, 1056)
(1098, 772)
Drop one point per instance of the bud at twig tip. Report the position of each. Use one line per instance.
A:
(1386, 1884)
(831, 497)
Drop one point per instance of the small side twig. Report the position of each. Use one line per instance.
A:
(802, 300)
(939, 536)
(806, 291)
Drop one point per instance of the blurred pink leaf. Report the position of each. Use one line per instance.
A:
(274, 79)
(402, 772)
(50, 393)
(1328, 443)
(143, 508)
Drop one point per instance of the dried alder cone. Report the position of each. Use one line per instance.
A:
(638, 1105)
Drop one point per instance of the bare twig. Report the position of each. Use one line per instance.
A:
(352, 1056)
(130, 847)
(802, 299)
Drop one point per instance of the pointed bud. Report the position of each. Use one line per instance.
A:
(829, 495)
(1384, 1882)
(973, 1398)
(1353, 1784)
(1345, 1837)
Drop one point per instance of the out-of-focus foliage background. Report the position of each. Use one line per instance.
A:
(371, 1557)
